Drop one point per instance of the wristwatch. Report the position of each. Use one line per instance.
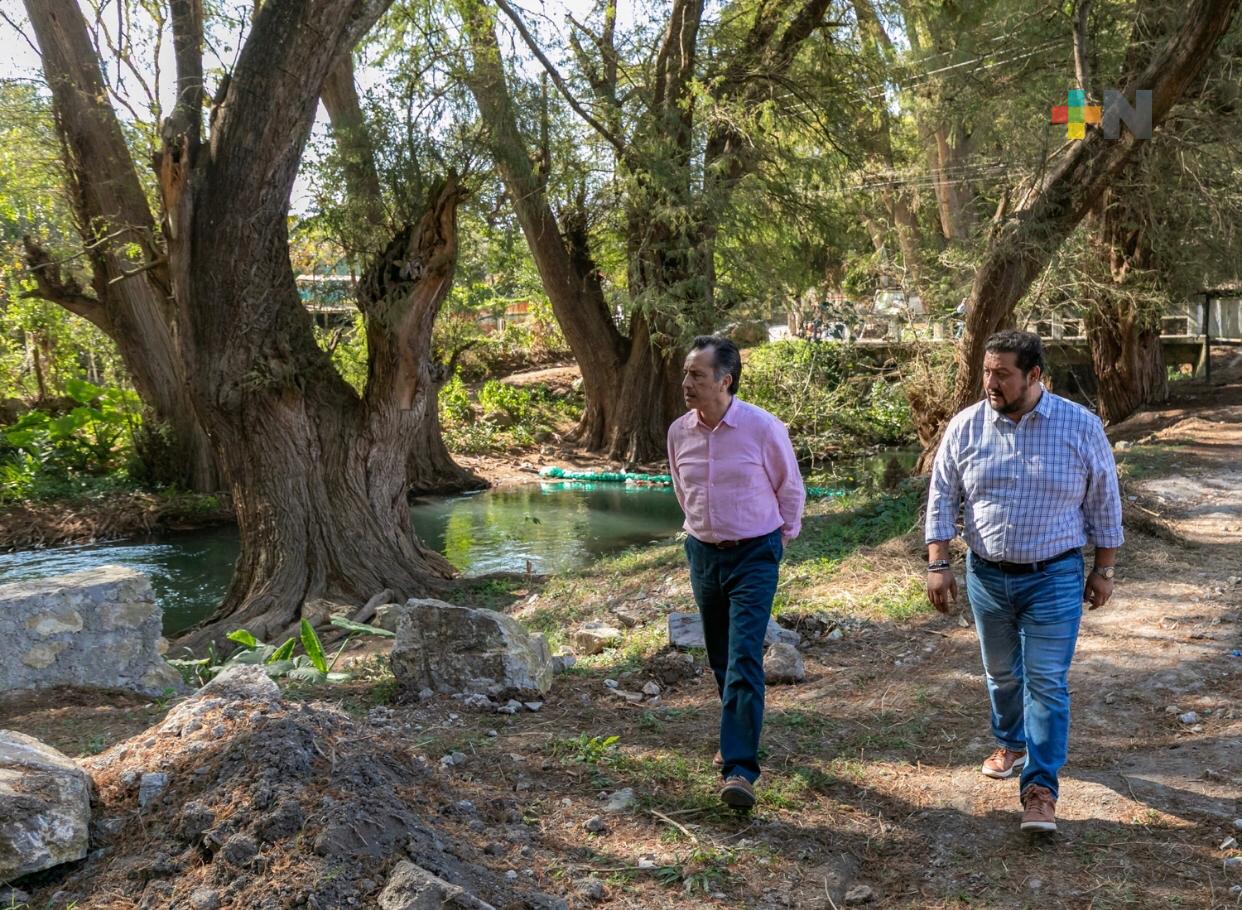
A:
(1105, 572)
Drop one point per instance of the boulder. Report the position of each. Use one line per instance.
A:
(45, 807)
(685, 630)
(412, 887)
(460, 649)
(783, 664)
(595, 637)
(99, 628)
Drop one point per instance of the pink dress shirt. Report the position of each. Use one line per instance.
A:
(736, 481)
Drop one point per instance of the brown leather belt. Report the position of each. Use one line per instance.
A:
(726, 544)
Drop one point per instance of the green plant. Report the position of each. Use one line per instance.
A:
(95, 438)
(589, 750)
(311, 666)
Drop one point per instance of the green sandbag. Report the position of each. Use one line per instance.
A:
(556, 473)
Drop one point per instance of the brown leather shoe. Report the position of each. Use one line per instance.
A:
(1039, 809)
(738, 793)
(1003, 763)
(718, 759)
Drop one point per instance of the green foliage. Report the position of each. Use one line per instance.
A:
(312, 666)
(512, 416)
(830, 399)
(43, 451)
(590, 750)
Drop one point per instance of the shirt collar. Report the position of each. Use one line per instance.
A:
(730, 418)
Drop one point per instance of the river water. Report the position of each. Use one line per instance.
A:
(540, 527)
(546, 527)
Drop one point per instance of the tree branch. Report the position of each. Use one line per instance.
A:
(52, 286)
(551, 70)
(353, 142)
(1082, 51)
(187, 26)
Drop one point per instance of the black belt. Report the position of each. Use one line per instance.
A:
(1025, 568)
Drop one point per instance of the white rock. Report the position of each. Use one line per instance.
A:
(783, 664)
(1228, 843)
(1237, 823)
(859, 894)
(651, 688)
(150, 786)
(685, 631)
(1190, 717)
(611, 683)
(45, 807)
(596, 824)
(1233, 864)
(596, 637)
(621, 800)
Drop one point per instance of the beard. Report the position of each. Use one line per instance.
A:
(1005, 405)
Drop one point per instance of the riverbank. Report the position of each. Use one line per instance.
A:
(871, 778)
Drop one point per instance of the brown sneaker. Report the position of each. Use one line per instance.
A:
(738, 793)
(1003, 763)
(718, 759)
(1039, 809)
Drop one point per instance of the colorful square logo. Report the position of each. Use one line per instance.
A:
(1076, 114)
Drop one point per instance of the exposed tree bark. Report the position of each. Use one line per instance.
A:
(1123, 334)
(1025, 234)
(631, 382)
(430, 466)
(131, 288)
(319, 473)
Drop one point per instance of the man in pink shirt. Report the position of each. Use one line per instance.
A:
(738, 483)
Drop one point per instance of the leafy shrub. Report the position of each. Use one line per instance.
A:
(311, 666)
(499, 396)
(44, 451)
(830, 400)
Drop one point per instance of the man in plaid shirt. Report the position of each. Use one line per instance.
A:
(1034, 478)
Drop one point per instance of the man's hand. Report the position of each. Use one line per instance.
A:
(1098, 590)
(942, 590)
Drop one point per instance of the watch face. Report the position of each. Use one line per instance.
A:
(1105, 571)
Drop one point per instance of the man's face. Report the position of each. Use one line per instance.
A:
(1007, 387)
(699, 384)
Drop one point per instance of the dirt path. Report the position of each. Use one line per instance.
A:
(871, 783)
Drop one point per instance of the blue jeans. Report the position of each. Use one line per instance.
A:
(734, 590)
(1028, 627)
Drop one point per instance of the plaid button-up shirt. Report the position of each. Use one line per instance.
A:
(1031, 489)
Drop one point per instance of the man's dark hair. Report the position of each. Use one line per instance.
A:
(728, 357)
(1026, 345)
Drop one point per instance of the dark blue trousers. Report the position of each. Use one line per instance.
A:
(734, 589)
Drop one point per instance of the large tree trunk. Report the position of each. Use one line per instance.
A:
(1123, 334)
(615, 382)
(430, 466)
(632, 384)
(319, 473)
(130, 300)
(1026, 234)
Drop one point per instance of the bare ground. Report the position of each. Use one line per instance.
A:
(871, 768)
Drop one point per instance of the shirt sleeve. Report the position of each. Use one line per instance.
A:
(672, 466)
(782, 468)
(944, 496)
(1101, 506)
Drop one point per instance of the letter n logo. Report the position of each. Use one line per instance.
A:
(1117, 110)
